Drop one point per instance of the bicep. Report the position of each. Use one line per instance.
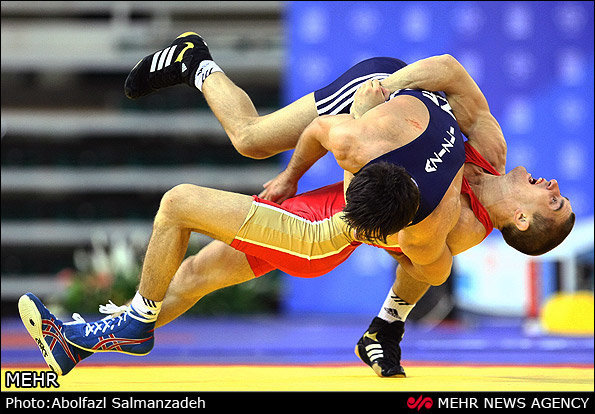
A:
(471, 109)
(324, 126)
(325, 133)
(466, 99)
(342, 137)
(443, 73)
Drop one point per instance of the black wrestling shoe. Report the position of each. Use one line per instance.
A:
(379, 348)
(173, 65)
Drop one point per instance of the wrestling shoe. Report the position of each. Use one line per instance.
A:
(47, 331)
(127, 333)
(173, 65)
(379, 348)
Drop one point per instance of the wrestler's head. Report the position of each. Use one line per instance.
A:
(542, 218)
(381, 199)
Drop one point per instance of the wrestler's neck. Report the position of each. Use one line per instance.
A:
(494, 193)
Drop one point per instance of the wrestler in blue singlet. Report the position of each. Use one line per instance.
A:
(433, 158)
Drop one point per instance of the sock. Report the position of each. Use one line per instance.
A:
(394, 308)
(146, 308)
(205, 68)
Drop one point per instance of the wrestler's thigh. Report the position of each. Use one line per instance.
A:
(214, 267)
(215, 213)
(280, 130)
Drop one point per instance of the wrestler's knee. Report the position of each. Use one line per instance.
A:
(172, 203)
(249, 145)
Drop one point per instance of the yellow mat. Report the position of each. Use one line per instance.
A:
(320, 378)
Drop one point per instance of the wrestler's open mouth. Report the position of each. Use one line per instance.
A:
(535, 181)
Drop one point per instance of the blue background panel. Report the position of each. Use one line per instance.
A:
(532, 60)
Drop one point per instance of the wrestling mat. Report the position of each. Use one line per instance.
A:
(320, 378)
(316, 354)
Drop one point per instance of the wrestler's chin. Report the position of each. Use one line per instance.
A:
(519, 173)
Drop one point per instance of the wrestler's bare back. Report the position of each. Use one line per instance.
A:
(391, 125)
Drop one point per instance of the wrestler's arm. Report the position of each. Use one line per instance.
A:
(468, 103)
(369, 95)
(427, 266)
(427, 256)
(313, 144)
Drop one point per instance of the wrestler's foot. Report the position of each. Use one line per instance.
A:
(47, 331)
(127, 333)
(173, 65)
(379, 348)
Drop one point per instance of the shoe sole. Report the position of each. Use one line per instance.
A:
(32, 320)
(376, 367)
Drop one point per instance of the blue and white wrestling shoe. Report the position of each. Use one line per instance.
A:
(127, 333)
(48, 333)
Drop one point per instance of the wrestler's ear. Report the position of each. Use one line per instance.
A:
(521, 220)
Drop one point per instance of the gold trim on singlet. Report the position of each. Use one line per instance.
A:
(275, 228)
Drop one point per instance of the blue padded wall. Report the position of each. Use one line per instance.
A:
(532, 60)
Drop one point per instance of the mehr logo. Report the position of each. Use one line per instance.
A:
(420, 402)
(31, 379)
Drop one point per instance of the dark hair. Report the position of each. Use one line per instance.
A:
(381, 199)
(542, 235)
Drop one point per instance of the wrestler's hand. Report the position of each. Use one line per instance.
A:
(279, 188)
(368, 95)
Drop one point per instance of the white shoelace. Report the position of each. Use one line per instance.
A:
(104, 324)
(111, 310)
(77, 319)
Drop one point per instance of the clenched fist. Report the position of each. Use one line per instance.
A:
(370, 94)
